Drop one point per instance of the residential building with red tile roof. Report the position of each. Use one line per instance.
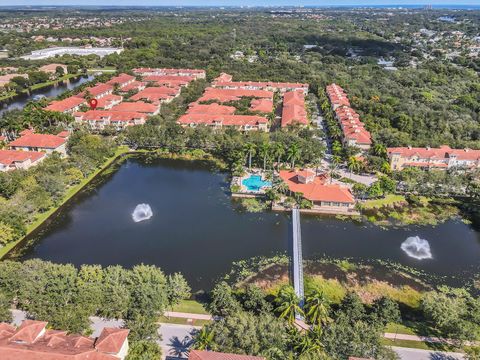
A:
(98, 91)
(214, 108)
(33, 341)
(354, 132)
(67, 106)
(294, 111)
(52, 68)
(325, 197)
(40, 142)
(222, 78)
(156, 95)
(122, 80)
(213, 355)
(227, 95)
(100, 119)
(427, 158)
(138, 106)
(198, 74)
(5, 79)
(16, 159)
(133, 86)
(169, 80)
(264, 106)
(109, 101)
(337, 96)
(263, 85)
(218, 121)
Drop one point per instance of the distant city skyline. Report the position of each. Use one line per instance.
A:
(450, 3)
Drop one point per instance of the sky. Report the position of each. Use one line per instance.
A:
(236, 2)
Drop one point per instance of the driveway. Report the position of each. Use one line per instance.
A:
(417, 354)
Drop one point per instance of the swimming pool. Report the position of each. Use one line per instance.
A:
(255, 183)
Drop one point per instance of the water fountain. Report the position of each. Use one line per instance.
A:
(142, 212)
(417, 248)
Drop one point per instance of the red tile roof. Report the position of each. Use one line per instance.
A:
(225, 120)
(262, 105)
(212, 355)
(294, 109)
(97, 90)
(135, 85)
(138, 106)
(108, 100)
(263, 85)
(102, 115)
(223, 77)
(65, 104)
(45, 141)
(337, 95)
(179, 79)
(111, 340)
(352, 127)
(214, 108)
(226, 95)
(32, 342)
(9, 157)
(121, 79)
(317, 190)
(155, 94)
(443, 152)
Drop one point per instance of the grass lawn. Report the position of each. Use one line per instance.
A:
(8, 95)
(190, 306)
(51, 82)
(68, 195)
(182, 321)
(105, 70)
(390, 199)
(419, 345)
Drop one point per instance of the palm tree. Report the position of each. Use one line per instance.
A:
(354, 164)
(336, 160)
(379, 150)
(204, 339)
(293, 154)
(289, 304)
(251, 149)
(336, 148)
(278, 151)
(317, 308)
(264, 152)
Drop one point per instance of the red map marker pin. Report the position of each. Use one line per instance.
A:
(93, 103)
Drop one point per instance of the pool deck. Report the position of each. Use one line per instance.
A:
(244, 192)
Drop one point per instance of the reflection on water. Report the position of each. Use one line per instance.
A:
(53, 91)
(198, 230)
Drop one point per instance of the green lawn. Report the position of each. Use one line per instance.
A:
(52, 82)
(182, 321)
(419, 345)
(378, 203)
(107, 69)
(190, 306)
(68, 195)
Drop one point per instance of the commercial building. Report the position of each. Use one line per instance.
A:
(71, 50)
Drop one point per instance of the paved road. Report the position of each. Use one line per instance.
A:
(417, 354)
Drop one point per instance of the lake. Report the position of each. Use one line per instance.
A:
(19, 101)
(197, 229)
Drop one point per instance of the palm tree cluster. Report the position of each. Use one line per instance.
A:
(267, 152)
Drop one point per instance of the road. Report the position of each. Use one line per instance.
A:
(417, 354)
(175, 339)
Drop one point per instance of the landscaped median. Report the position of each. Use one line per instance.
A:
(122, 150)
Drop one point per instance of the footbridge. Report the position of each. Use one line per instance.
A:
(297, 259)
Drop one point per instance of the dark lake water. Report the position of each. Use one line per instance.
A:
(52, 91)
(198, 230)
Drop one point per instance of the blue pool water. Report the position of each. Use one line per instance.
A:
(255, 183)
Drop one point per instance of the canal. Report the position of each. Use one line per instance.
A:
(19, 101)
(198, 230)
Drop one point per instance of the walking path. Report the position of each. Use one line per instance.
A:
(192, 316)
